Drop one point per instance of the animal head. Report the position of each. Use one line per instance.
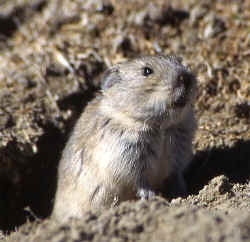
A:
(150, 88)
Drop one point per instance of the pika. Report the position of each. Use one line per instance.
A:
(131, 139)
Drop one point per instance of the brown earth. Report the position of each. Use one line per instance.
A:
(52, 54)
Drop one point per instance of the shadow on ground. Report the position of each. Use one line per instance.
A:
(234, 162)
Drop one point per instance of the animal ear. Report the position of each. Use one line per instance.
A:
(110, 77)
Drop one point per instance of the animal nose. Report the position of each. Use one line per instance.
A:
(184, 78)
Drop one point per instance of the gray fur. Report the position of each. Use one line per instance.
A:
(131, 139)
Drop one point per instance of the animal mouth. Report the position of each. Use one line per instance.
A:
(181, 101)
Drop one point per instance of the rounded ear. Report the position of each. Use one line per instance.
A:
(110, 77)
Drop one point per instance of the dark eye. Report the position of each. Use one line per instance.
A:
(147, 71)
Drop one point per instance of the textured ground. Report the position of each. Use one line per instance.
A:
(52, 54)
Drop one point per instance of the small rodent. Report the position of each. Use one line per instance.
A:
(131, 139)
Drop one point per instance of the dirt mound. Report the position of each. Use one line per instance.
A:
(156, 220)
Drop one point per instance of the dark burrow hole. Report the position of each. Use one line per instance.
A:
(38, 174)
(36, 184)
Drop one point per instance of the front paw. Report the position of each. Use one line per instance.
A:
(145, 194)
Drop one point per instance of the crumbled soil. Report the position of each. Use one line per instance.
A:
(52, 55)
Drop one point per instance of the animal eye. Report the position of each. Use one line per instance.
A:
(147, 71)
